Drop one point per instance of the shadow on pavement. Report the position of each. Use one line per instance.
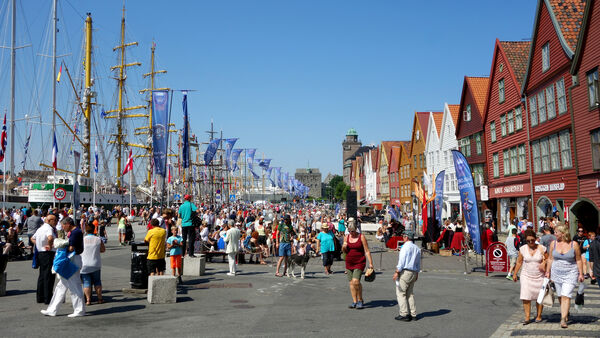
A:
(440, 312)
(381, 303)
(117, 309)
(18, 292)
(184, 299)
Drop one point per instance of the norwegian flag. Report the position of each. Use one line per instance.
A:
(54, 152)
(3, 140)
(129, 165)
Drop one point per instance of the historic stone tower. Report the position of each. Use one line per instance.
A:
(350, 145)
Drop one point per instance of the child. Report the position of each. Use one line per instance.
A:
(174, 245)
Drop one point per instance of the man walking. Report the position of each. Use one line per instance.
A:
(594, 252)
(43, 239)
(512, 248)
(233, 246)
(33, 223)
(284, 232)
(187, 228)
(407, 273)
(72, 283)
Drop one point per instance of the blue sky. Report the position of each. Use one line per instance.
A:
(287, 77)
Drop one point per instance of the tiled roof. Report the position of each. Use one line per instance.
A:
(454, 111)
(375, 159)
(569, 14)
(423, 121)
(406, 145)
(387, 147)
(479, 88)
(437, 119)
(395, 159)
(517, 53)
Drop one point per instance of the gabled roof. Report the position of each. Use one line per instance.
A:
(360, 151)
(566, 16)
(386, 147)
(437, 119)
(395, 160)
(478, 86)
(406, 146)
(374, 159)
(581, 39)
(454, 111)
(423, 118)
(517, 53)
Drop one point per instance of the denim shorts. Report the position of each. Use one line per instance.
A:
(285, 249)
(92, 278)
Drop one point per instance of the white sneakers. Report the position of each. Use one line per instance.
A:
(230, 274)
(47, 313)
(72, 315)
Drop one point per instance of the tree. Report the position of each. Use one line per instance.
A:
(339, 187)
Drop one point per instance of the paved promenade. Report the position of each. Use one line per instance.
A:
(257, 303)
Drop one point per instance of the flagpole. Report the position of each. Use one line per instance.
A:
(4, 187)
(94, 190)
(130, 189)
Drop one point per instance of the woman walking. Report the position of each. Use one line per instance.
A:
(564, 268)
(532, 259)
(356, 248)
(326, 245)
(91, 264)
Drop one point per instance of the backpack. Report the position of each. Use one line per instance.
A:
(518, 243)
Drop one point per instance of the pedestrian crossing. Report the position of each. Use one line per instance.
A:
(583, 321)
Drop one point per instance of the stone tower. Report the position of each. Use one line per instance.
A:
(350, 145)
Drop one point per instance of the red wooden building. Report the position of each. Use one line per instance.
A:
(545, 89)
(585, 98)
(505, 124)
(469, 133)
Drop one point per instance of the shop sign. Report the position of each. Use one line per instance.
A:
(484, 192)
(510, 190)
(549, 187)
(496, 258)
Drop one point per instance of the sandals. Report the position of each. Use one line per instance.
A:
(278, 275)
(563, 323)
(526, 322)
(538, 320)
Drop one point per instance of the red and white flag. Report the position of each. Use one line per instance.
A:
(3, 140)
(129, 165)
(169, 169)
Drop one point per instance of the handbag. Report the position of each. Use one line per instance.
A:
(548, 299)
(370, 275)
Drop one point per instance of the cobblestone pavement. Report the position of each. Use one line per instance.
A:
(583, 323)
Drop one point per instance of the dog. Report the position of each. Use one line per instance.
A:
(301, 261)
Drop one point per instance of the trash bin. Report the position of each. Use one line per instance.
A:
(139, 269)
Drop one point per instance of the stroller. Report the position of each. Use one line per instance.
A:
(129, 234)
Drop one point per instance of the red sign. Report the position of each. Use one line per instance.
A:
(496, 258)
(60, 194)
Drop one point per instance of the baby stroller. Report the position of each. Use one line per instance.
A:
(129, 234)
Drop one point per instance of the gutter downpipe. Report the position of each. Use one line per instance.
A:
(533, 204)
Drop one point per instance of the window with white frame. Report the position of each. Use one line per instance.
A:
(506, 160)
(510, 122)
(493, 131)
(546, 57)
(593, 93)
(595, 136)
(561, 96)
(522, 159)
(501, 90)
(478, 147)
(468, 113)
(550, 107)
(533, 111)
(465, 146)
(518, 118)
(565, 149)
(545, 153)
(478, 174)
(541, 97)
(537, 160)
(514, 161)
(496, 162)
(503, 124)
(554, 152)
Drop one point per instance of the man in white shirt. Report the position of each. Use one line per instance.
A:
(43, 240)
(407, 273)
(233, 246)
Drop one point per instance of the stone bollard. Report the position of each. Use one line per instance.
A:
(194, 266)
(162, 289)
(3, 284)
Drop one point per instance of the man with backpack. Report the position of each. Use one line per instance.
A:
(513, 243)
(186, 212)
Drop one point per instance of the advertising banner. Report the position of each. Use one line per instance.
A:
(439, 196)
(160, 130)
(468, 199)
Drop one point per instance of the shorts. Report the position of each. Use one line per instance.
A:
(354, 274)
(122, 231)
(327, 258)
(176, 262)
(564, 289)
(92, 278)
(285, 249)
(512, 261)
(262, 240)
(156, 264)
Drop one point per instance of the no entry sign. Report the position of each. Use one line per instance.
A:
(496, 258)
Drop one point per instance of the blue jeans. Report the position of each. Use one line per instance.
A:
(285, 249)
(92, 278)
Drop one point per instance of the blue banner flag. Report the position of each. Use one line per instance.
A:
(270, 176)
(160, 130)
(235, 155)
(278, 177)
(250, 158)
(286, 183)
(229, 143)
(265, 163)
(186, 135)
(211, 150)
(468, 199)
(439, 196)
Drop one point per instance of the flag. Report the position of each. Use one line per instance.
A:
(392, 213)
(278, 177)
(229, 143)
(269, 174)
(186, 134)
(169, 170)
(439, 196)
(468, 199)
(250, 161)
(211, 151)
(3, 140)
(160, 130)
(235, 155)
(26, 149)
(427, 182)
(424, 213)
(59, 73)
(103, 113)
(129, 165)
(96, 156)
(54, 152)
(265, 163)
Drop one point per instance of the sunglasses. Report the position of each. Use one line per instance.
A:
(531, 241)
(579, 230)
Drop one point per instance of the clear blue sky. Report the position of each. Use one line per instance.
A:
(291, 77)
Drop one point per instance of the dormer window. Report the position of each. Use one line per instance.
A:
(546, 57)
(467, 113)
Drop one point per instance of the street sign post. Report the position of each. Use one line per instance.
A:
(496, 258)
